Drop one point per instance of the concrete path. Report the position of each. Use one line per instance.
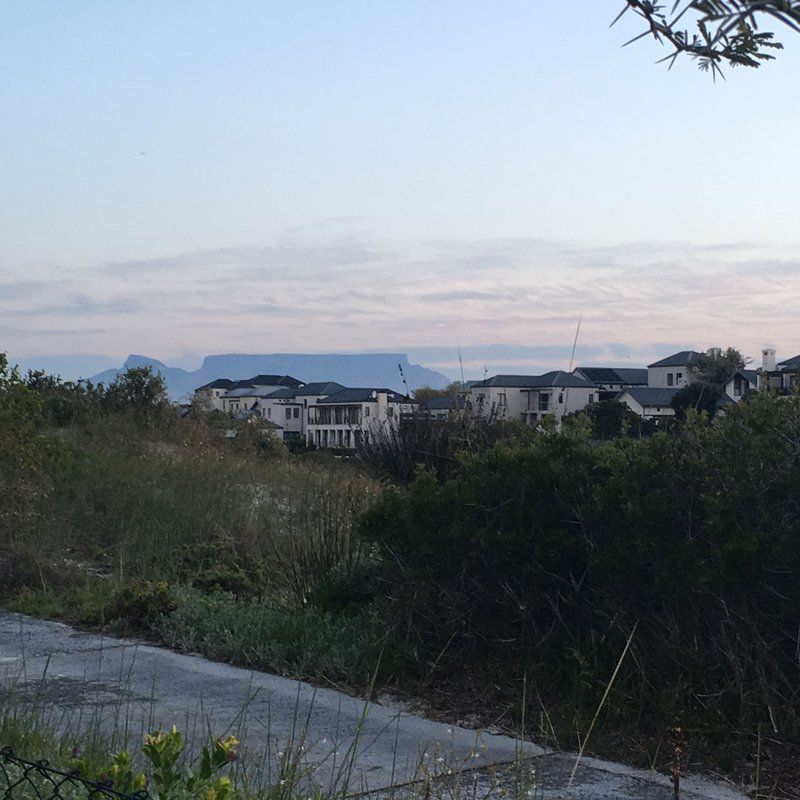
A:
(126, 688)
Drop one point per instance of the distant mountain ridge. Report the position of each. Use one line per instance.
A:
(356, 370)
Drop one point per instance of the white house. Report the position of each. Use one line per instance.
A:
(782, 377)
(649, 402)
(342, 420)
(673, 371)
(530, 398)
(243, 394)
(211, 393)
(741, 384)
(282, 408)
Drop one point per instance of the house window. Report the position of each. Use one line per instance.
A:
(561, 397)
(296, 413)
(269, 411)
(390, 411)
(288, 413)
(366, 411)
(501, 399)
(670, 379)
(544, 402)
(591, 399)
(678, 377)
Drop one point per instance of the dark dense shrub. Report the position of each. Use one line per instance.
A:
(543, 557)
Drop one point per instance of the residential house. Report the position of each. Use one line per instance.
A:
(649, 402)
(282, 408)
(673, 371)
(342, 420)
(783, 377)
(211, 393)
(244, 393)
(443, 407)
(530, 398)
(744, 382)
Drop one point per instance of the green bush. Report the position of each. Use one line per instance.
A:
(542, 558)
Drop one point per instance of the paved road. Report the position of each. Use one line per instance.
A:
(127, 687)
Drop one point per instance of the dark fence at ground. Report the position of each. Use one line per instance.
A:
(37, 780)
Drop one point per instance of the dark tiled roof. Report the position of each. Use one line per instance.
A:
(626, 375)
(281, 394)
(319, 388)
(444, 403)
(275, 380)
(677, 359)
(725, 400)
(219, 383)
(649, 396)
(749, 374)
(555, 378)
(242, 385)
(632, 376)
(362, 396)
(790, 362)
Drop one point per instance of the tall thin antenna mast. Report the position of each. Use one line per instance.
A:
(572, 361)
(575, 343)
(461, 364)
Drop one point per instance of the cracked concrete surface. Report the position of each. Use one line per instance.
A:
(122, 684)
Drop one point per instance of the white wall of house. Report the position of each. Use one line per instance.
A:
(287, 413)
(648, 411)
(342, 425)
(669, 377)
(557, 401)
(738, 387)
(504, 402)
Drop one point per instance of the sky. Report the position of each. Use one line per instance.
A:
(185, 178)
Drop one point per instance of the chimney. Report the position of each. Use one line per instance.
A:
(768, 359)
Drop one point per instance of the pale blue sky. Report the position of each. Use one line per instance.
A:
(184, 177)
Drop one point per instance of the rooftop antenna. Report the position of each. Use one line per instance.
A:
(461, 364)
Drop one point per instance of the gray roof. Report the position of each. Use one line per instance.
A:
(250, 391)
(790, 362)
(681, 359)
(749, 374)
(275, 380)
(281, 394)
(725, 400)
(444, 403)
(362, 395)
(623, 375)
(649, 396)
(554, 378)
(319, 388)
(219, 383)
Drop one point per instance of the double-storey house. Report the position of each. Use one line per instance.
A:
(674, 371)
(342, 420)
(782, 377)
(244, 393)
(210, 394)
(282, 408)
(530, 398)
